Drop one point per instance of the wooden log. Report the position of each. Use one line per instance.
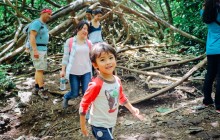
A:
(142, 46)
(150, 73)
(175, 63)
(74, 6)
(186, 76)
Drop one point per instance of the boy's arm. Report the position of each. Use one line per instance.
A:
(83, 125)
(124, 101)
(89, 96)
(134, 111)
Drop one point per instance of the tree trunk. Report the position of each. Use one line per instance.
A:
(74, 6)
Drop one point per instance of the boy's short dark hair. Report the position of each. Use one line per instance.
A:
(99, 48)
(97, 11)
(89, 11)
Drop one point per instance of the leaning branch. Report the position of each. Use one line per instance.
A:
(174, 63)
(149, 73)
(166, 24)
(53, 3)
(15, 39)
(11, 54)
(17, 11)
(186, 76)
(74, 6)
(144, 46)
(112, 10)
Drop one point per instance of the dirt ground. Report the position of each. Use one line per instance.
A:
(173, 115)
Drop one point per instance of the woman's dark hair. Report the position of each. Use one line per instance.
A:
(97, 11)
(211, 9)
(80, 26)
(89, 11)
(99, 48)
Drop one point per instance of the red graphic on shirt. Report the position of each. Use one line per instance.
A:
(112, 97)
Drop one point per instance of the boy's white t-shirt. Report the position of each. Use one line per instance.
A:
(104, 98)
(104, 109)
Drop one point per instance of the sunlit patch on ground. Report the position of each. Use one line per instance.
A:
(27, 84)
(24, 96)
(51, 82)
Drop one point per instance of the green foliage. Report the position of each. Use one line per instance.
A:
(5, 81)
(186, 16)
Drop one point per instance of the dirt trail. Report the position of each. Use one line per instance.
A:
(30, 117)
(39, 119)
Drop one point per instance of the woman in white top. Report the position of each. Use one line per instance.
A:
(76, 64)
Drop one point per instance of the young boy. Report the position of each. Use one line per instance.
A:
(104, 94)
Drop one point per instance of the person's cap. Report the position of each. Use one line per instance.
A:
(89, 11)
(46, 11)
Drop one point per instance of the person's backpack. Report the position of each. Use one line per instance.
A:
(26, 31)
(71, 43)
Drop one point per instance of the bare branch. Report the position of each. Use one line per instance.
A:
(142, 46)
(175, 63)
(53, 3)
(74, 6)
(149, 73)
(156, 18)
(17, 11)
(186, 76)
(15, 39)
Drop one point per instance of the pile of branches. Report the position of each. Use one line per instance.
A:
(127, 25)
(124, 23)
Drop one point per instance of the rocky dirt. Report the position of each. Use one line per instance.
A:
(173, 115)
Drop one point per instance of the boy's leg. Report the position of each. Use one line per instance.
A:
(101, 133)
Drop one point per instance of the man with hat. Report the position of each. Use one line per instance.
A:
(39, 38)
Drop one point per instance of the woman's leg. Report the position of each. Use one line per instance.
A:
(217, 94)
(86, 78)
(209, 79)
(74, 89)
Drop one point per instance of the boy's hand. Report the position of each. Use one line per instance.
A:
(84, 130)
(137, 114)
